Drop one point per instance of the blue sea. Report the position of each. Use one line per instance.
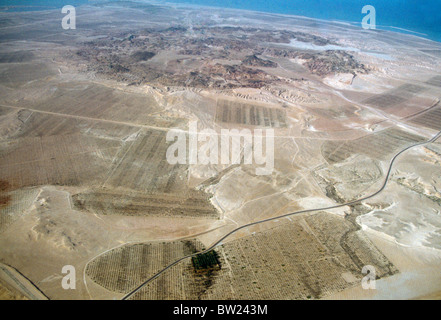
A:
(419, 17)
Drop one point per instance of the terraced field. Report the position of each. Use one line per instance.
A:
(377, 146)
(247, 114)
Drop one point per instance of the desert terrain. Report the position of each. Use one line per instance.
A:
(85, 181)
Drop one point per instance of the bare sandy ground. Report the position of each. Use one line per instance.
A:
(419, 276)
(80, 114)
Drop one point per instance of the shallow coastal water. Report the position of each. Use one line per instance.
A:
(421, 18)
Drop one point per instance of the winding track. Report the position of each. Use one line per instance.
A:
(218, 242)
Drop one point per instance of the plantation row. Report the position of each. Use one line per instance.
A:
(379, 145)
(230, 112)
(395, 96)
(430, 119)
(303, 259)
(20, 201)
(195, 204)
(124, 268)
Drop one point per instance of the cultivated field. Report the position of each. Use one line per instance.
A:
(308, 258)
(16, 75)
(430, 119)
(13, 204)
(124, 268)
(195, 204)
(379, 145)
(85, 181)
(395, 96)
(435, 81)
(248, 114)
(96, 102)
(35, 124)
(16, 57)
(64, 160)
(142, 165)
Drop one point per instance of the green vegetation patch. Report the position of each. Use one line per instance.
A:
(206, 261)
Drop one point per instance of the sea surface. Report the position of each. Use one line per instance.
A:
(418, 17)
(37, 5)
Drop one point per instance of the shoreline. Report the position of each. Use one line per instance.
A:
(348, 23)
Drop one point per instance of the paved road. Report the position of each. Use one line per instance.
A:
(218, 242)
(22, 283)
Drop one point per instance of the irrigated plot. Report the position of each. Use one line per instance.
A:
(435, 81)
(35, 124)
(64, 160)
(143, 183)
(308, 258)
(142, 166)
(195, 204)
(123, 269)
(16, 56)
(96, 102)
(13, 204)
(395, 96)
(254, 115)
(14, 75)
(384, 100)
(408, 90)
(430, 119)
(379, 145)
(38, 124)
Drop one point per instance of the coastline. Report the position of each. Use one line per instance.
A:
(400, 30)
(354, 24)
